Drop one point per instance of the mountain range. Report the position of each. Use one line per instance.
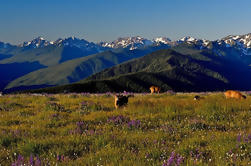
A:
(40, 63)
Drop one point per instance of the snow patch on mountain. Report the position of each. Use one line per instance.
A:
(240, 42)
(162, 40)
(188, 39)
(128, 42)
(200, 43)
(38, 42)
(135, 42)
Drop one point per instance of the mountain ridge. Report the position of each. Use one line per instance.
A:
(170, 69)
(240, 42)
(83, 67)
(123, 42)
(48, 55)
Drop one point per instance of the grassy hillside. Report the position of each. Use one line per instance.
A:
(9, 72)
(85, 129)
(78, 69)
(181, 68)
(16, 62)
(47, 56)
(21, 61)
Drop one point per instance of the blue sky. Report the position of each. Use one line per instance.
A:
(106, 20)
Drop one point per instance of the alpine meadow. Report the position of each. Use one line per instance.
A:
(86, 129)
(125, 83)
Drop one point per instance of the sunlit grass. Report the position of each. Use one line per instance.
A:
(75, 129)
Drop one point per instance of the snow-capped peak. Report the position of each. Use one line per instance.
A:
(163, 40)
(244, 40)
(72, 41)
(202, 43)
(79, 43)
(188, 39)
(240, 42)
(128, 42)
(38, 42)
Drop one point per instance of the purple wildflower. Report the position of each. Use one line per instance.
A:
(14, 164)
(249, 136)
(91, 132)
(80, 124)
(197, 156)
(80, 127)
(120, 119)
(16, 133)
(108, 94)
(58, 157)
(126, 93)
(134, 123)
(179, 160)
(54, 115)
(171, 159)
(246, 140)
(37, 162)
(20, 159)
(85, 94)
(239, 138)
(31, 160)
(83, 103)
(170, 92)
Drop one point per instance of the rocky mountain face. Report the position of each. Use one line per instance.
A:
(239, 42)
(38, 42)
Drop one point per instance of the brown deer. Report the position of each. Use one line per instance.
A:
(121, 100)
(154, 89)
(234, 94)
